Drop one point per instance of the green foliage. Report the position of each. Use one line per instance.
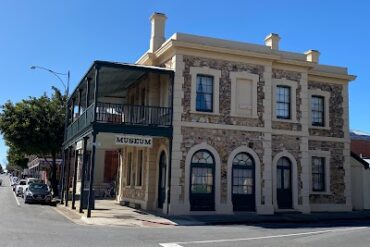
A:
(16, 158)
(36, 125)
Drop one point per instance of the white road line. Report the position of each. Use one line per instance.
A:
(16, 199)
(179, 244)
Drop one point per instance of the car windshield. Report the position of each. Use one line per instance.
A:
(35, 186)
(22, 183)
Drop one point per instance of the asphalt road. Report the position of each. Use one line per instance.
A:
(40, 225)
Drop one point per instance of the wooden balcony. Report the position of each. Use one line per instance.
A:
(113, 117)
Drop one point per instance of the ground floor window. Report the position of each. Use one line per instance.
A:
(202, 179)
(318, 174)
(128, 170)
(243, 182)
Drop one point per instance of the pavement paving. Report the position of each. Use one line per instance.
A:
(42, 226)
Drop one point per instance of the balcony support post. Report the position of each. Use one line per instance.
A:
(79, 101)
(96, 88)
(74, 180)
(83, 175)
(92, 168)
(62, 180)
(68, 175)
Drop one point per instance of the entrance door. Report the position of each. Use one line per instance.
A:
(162, 180)
(284, 183)
(202, 179)
(243, 183)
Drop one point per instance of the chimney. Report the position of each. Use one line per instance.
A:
(158, 21)
(312, 56)
(272, 40)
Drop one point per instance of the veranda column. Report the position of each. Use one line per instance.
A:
(92, 167)
(83, 175)
(68, 175)
(74, 180)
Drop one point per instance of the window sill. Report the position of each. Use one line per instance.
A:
(323, 193)
(138, 187)
(319, 127)
(233, 114)
(205, 113)
(285, 120)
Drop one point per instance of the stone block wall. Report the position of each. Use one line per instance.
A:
(337, 172)
(224, 116)
(224, 141)
(336, 111)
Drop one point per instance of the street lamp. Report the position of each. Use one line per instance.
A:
(66, 88)
(57, 75)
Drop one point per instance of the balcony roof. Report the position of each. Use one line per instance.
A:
(119, 75)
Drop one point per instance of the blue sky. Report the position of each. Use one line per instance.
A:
(69, 35)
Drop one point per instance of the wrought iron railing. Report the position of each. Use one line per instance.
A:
(81, 122)
(121, 114)
(133, 114)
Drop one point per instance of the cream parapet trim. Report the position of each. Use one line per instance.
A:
(294, 176)
(293, 99)
(281, 57)
(257, 178)
(216, 74)
(234, 76)
(326, 96)
(327, 157)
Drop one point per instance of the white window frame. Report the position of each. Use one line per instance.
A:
(234, 76)
(293, 99)
(326, 156)
(216, 74)
(326, 96)
(142, 167)
(129, 163)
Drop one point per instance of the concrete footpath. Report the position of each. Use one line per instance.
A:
(110, 213)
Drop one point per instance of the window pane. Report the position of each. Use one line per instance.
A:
(318, 174)
(317, 110)
(283, 102)
(204, 94)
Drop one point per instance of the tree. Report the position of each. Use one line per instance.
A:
(35, 126)
(16, 159)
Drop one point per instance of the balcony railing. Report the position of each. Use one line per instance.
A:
(121, 114)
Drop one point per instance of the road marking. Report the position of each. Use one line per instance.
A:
(170, 245)
(179, 244)
(16, 199)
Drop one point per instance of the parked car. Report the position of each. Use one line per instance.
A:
(37, 192)
(19, 188)
(13, 182)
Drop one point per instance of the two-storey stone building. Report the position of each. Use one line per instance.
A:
(208, 126)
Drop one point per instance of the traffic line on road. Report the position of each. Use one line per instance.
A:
(180, 244)
(16, 199)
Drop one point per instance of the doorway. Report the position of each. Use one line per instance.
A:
(162, 180)
(284, 184)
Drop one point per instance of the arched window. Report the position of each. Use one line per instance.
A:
(202, 180)
(243, 182)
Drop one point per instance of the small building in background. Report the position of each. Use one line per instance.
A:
(360, 172)
(41, 168)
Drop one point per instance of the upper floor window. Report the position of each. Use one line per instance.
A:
(317, 108)
(204, 93)
(283, 102)
(318, 174)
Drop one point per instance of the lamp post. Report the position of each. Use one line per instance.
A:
(66, 90)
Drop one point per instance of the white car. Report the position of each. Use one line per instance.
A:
(20, 187)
